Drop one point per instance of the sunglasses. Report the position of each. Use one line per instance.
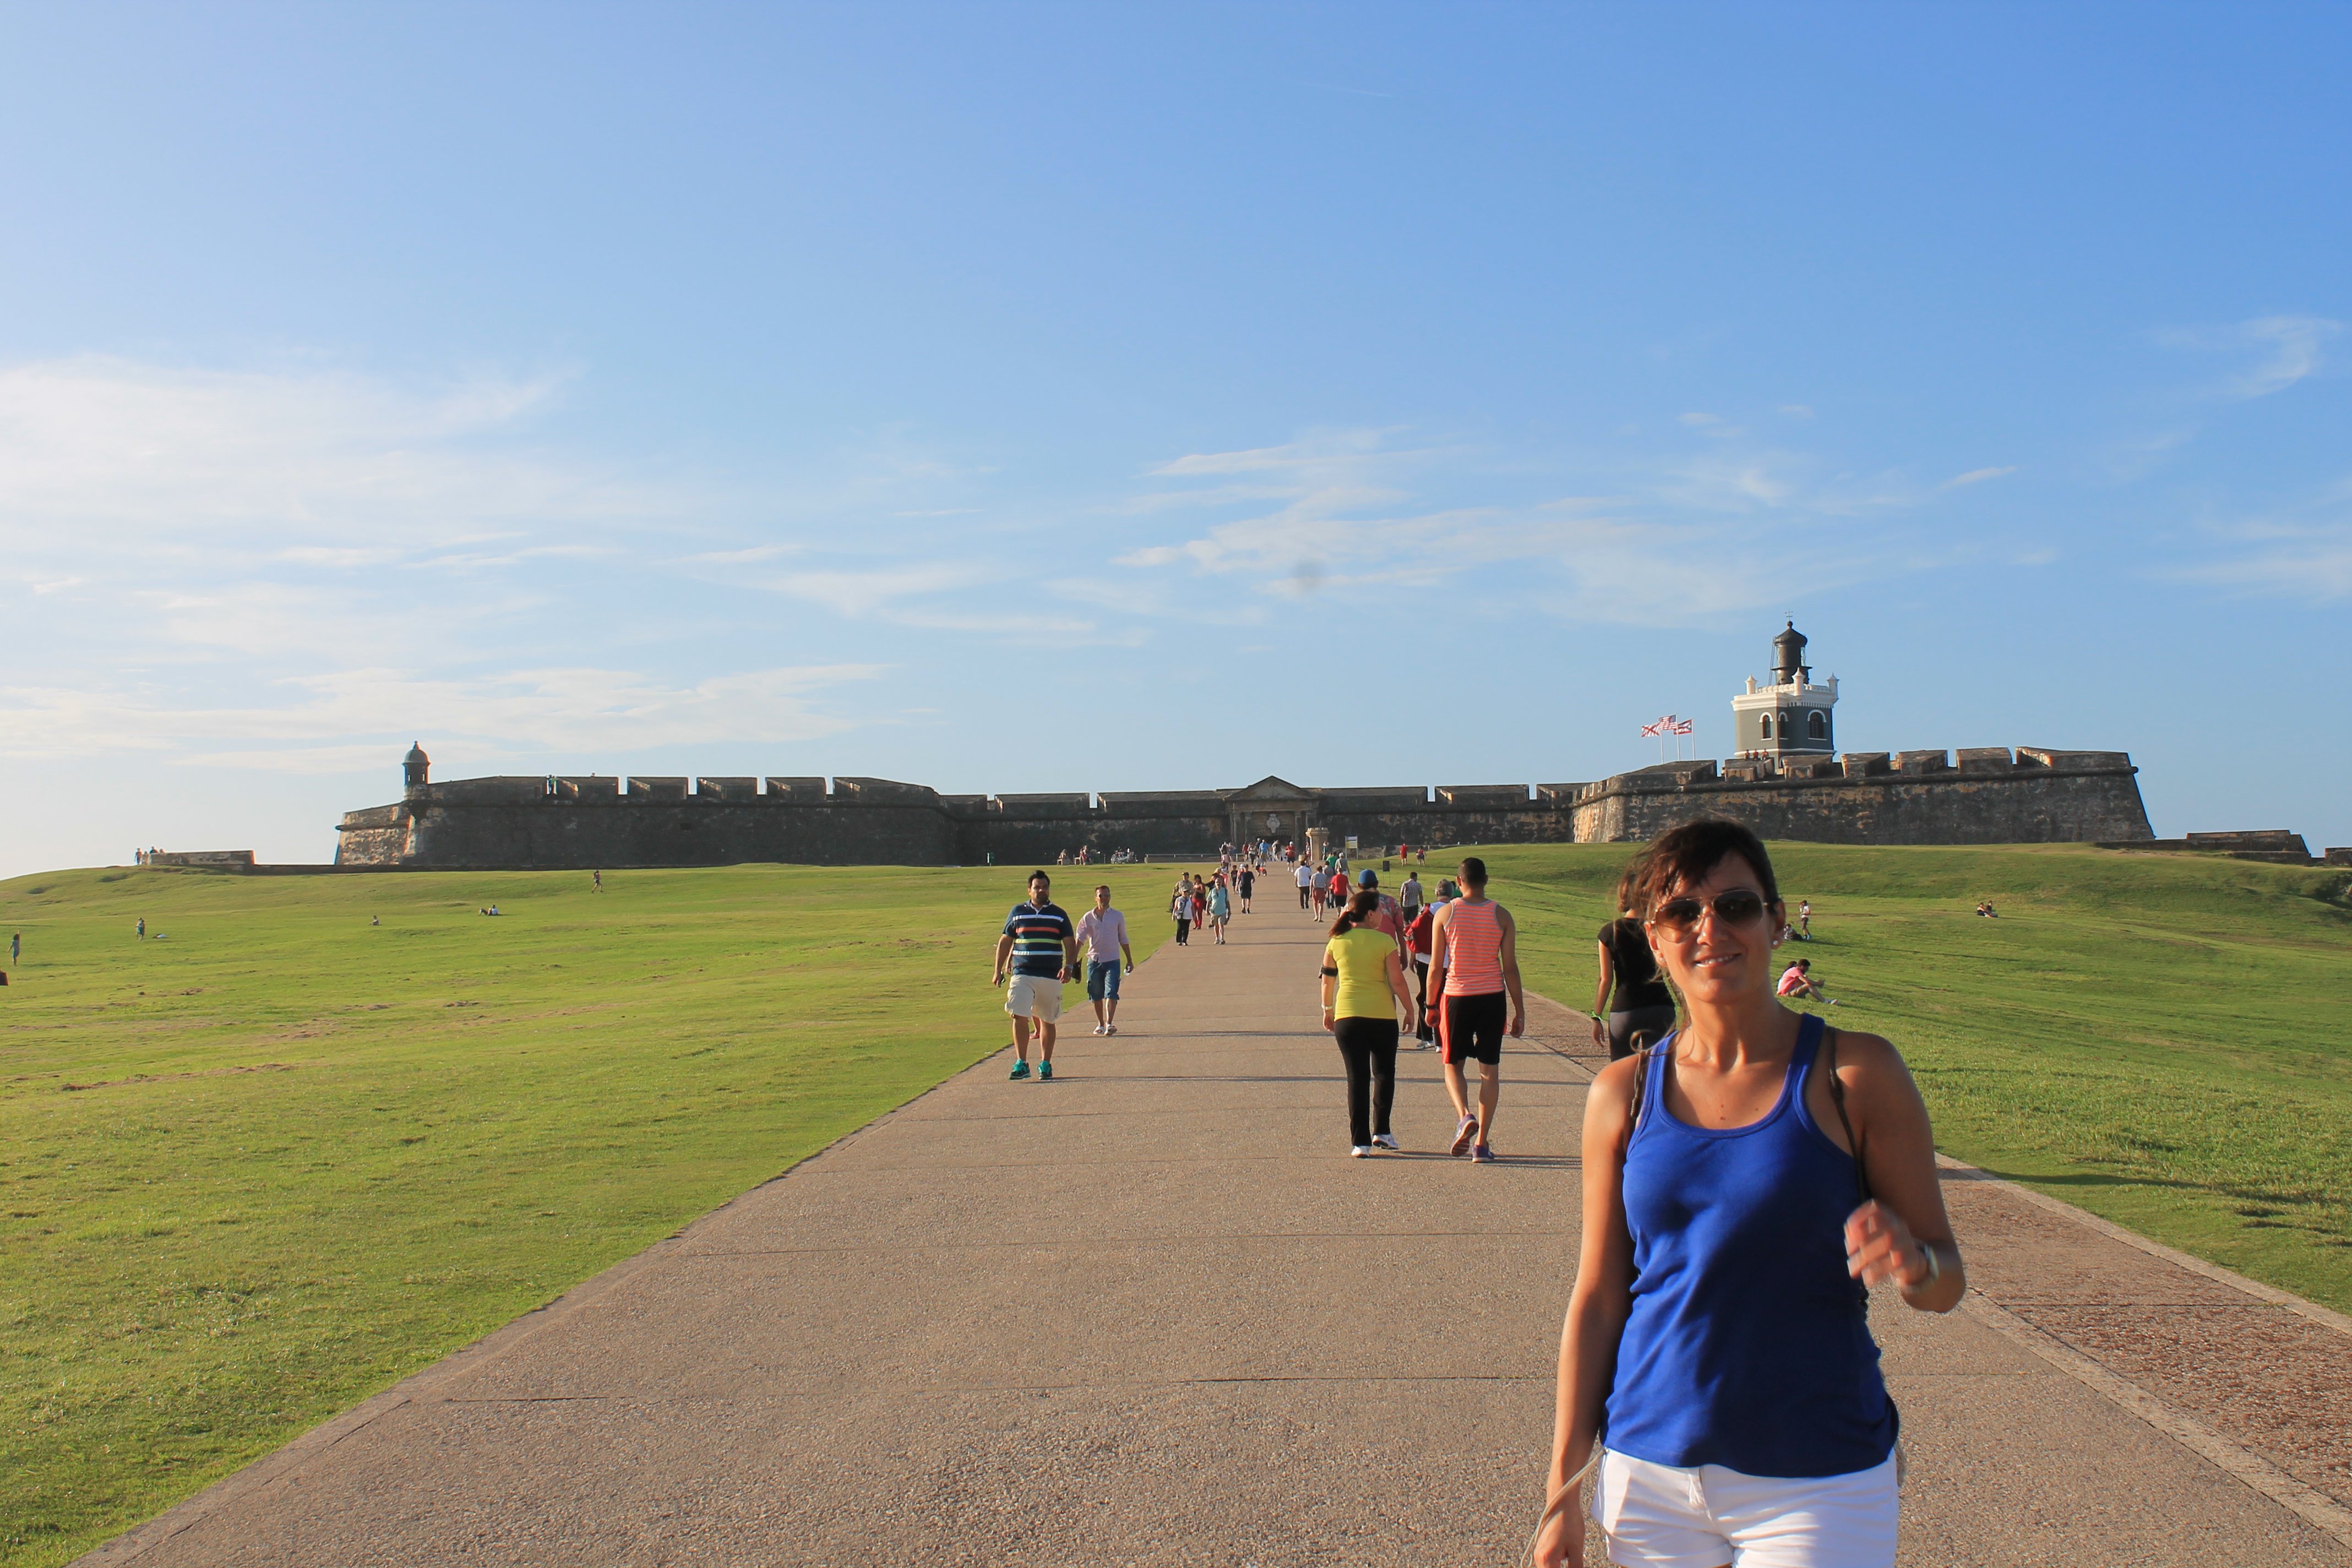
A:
(1734, 907)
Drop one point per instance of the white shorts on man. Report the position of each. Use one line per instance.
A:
(1035, 996)
(1663, 1516)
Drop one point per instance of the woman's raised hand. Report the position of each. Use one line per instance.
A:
(1879, 1245)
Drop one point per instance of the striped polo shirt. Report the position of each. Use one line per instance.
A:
(1038, 932)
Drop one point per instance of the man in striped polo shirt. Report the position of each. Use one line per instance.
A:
(1040, 946)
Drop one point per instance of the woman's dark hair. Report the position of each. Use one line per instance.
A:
(1360, 908)
(1687, 853)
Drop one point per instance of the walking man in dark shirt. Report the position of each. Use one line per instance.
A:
(1040, 947)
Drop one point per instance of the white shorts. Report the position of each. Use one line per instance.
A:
(1033, 997)
(1661, 1516)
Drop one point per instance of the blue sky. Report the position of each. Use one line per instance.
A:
(1110, 397)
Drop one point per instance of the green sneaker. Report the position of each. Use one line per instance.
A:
(1044, 1071)
(1020, 1069)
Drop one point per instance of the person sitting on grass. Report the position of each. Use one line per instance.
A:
(1797, 980)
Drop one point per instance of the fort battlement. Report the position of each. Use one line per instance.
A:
(1986, 795)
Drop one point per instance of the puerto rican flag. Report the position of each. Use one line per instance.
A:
(1682, 727)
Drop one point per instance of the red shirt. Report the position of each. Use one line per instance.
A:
(1420, 934)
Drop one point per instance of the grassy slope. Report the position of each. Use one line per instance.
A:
(255, 1169)
(2164, 1040)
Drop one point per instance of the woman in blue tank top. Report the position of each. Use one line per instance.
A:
(1717, 1350)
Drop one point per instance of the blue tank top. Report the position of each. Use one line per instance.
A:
(1748, 1345)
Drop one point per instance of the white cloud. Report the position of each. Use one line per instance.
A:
(2282, 350)
(1341, 445)
(106, 453)
(1669, 539)
(2317, 571)
(320, 723)
(878, 589)
(1976, 477)
(2292, 352)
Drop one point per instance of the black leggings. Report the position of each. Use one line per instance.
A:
(1369, 1047)
(1629, 1031)
(1183, 927)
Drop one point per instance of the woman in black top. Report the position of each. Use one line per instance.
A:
(1645, 1009)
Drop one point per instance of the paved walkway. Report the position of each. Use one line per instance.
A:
(1151, 1314)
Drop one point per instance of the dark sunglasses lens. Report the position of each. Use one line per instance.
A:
(1679, 914)
(1739, 908)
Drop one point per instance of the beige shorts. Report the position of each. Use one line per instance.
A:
(1033, 997)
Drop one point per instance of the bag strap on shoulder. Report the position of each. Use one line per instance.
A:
(1837, 1097)
(1641, 1084)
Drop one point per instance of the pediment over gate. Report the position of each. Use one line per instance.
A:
(1271, 790)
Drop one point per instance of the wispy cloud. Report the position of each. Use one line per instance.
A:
(1350, 448)
(2292, 346)
(337, 721)
(1976, 477)
(2301, 550)
(109, 452)
(1351, 519)
(880, 589)
(2274, 352)
(2316, 570)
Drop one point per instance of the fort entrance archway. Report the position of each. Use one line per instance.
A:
(1271, 808)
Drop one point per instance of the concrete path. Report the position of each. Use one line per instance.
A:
(1151, 1314)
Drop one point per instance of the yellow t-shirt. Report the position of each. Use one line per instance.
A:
(1361, 958)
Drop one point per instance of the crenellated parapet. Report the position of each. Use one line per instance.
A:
(1992, 795)
(1978, 796)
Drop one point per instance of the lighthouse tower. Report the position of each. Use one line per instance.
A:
(1790, 715)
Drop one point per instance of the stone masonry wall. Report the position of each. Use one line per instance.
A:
(2060, 800)
(1912, 797)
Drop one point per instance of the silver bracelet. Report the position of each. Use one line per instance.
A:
(1935, 1267)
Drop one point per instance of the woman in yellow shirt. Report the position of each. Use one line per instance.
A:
(1363, 983)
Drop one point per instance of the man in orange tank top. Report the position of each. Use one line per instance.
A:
(1473, 964)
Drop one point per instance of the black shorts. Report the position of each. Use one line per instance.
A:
(1472, 1028)
(1631, 1030)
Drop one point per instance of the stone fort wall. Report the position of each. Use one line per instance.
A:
(1989, 796)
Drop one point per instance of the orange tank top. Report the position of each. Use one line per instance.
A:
(1473, 949)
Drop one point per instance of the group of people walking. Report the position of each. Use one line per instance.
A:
(1207, 903)
(1472, 957)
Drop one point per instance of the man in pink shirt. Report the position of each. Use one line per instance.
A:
(1102, 931)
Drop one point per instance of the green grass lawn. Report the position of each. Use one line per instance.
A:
(2164, 1040)
(274, 1158)
(262, 1166)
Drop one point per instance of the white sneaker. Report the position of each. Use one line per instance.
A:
(1110, 1028)
(1099, 1028)
(1360, 1151)
(1384, 1141)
